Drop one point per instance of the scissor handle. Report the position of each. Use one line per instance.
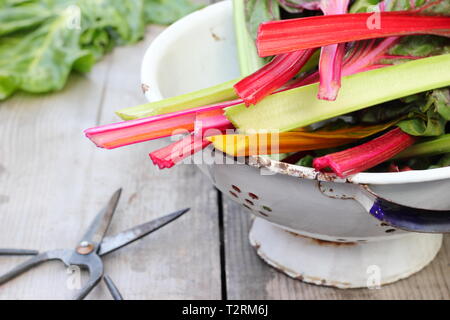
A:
(18, 252)
(94, 265)
(115, 293)
(23, 267)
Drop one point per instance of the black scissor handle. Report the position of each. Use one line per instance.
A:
(18, 252)
(94, 265)
(24, 267)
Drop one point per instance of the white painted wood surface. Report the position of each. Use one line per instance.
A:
(53, 181)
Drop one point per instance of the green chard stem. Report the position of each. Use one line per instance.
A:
(215, 94)
(300, 107)
(432, 147)
(249, 61)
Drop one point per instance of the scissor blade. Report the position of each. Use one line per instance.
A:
(113, 243)
(100, 225)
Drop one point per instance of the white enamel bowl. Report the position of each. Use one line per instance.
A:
(309, 226)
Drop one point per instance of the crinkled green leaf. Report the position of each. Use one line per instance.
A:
(444, 161)
(384, 113)
(296, 6)
(247, 15)
(442, 7)
(107, 23)
(41, 60)
(258, 11)
(14, 18)
(42, 41)
(306, 161)
(432, 124)
(424, 114)
(440, 99)
(428, 114)
(363, 5)
(421, 46)
(168, 11)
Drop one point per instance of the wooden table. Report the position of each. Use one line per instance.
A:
(53, 181)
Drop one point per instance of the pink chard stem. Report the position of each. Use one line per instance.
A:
(272, 76)
(176, 152)
(364, 56)
(124, 133)
(367, 155)
(331, 57)
(213, 123)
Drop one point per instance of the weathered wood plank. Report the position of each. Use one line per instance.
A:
(44, 164)
(248, 277)
(53, 181)
(182, 260)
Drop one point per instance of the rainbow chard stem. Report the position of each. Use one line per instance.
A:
(367, 155)
(272, 76)
(124, 133)
(176, 152)
(207, 124)
(331, 56)
(363, 56)
(277, 37)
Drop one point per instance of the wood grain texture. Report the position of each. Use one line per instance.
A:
(248, 277)
(53, 181)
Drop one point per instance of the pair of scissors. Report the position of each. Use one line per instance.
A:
(93, 245)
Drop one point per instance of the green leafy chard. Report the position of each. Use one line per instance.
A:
(168, 11)
(296, 6)
(429, 6)
(429, 114)
(42, 41)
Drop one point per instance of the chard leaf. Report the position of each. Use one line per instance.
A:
(429, 114)
(440, 98)
(363, 5)
(258, 11)
(444, 161)
(431, 125)
(306, 161)
(168, 11)
(442, 7)
(248, 14)
(384, 112)
(42, 41)
(296, 6)
(41, 60)
(426, 114)
(421, 46)
(14, 18)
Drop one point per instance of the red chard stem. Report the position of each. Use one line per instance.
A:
(277, 37)
(367, 155)
(272, 76)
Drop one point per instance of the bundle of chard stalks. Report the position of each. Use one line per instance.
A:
(346, 86)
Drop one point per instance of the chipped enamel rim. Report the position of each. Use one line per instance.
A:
(167, 39)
